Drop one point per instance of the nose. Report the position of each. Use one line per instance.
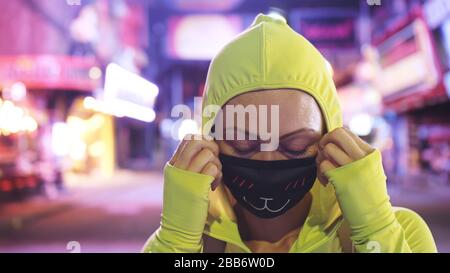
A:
(268, 156)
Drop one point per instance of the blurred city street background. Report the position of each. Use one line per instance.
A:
(87, 88)
(119, 214)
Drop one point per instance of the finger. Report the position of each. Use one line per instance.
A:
(320, 157)
(201, 159)
(194, 139)
(341, 138)
(322, 178)
(178, 151)
(211, 169)
(366, 147)
(333, 152)
(215, 159)
(192, 148)
(216, 182)
(326, 166)
(324, 156)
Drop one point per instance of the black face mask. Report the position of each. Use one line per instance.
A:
(268, 188)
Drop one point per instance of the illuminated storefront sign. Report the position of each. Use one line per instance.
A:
(50, 72)
(407, 61)
(125, 85)
(326, 28)
(328, 33)
(125, 95)
(200, 37)
(208, 5)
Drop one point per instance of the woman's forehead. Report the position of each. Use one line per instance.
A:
(297, 110)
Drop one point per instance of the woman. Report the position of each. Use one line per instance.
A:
(322, 189)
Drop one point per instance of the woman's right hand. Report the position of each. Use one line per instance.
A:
(198, 155)
(188, 178)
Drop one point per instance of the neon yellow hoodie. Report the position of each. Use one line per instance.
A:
(270, 55)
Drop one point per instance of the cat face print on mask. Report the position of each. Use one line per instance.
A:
(268, 188)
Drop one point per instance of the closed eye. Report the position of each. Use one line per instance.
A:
(295, 153)
(244, 146)
(299, 147)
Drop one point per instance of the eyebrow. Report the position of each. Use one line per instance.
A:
(301, 130)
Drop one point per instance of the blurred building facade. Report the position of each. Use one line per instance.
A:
(389, 61)
(53, 61)
(412, 45)
(92, 86)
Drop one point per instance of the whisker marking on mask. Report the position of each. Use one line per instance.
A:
(242, 183)
(287, 187)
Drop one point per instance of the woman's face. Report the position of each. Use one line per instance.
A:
(300, 125)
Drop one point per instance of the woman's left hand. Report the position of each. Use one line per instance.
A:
(338, 148)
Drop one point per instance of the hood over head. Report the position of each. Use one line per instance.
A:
(271, 55)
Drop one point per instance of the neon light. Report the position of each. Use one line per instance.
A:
(125, 85)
